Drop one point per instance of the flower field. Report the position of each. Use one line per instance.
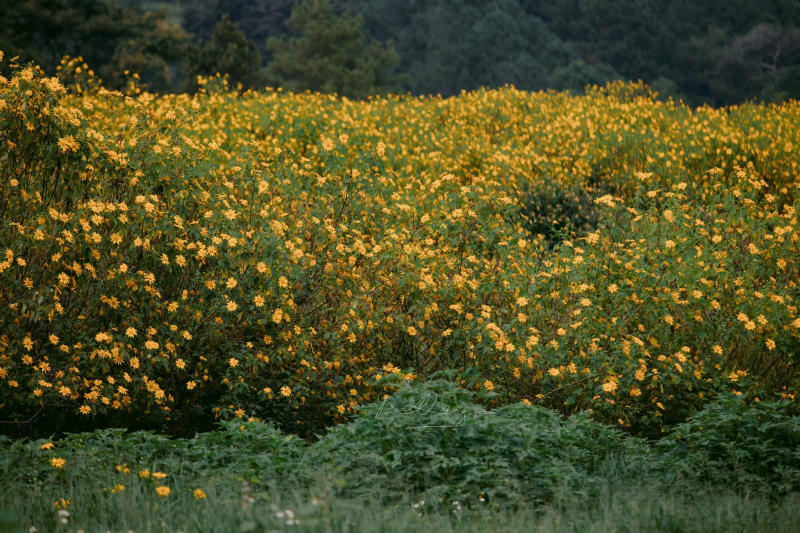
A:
(180, 259)
(599, 292)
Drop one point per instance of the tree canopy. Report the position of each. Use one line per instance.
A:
(704, 51)
(329, 53)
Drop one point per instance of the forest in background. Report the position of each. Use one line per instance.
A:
(703, 51)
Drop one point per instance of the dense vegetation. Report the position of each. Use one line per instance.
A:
(173, 259)
(494, 309)
(705, 51)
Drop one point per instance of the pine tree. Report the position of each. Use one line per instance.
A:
(230, 52)
(329, 54)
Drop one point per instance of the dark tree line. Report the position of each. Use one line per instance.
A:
(705, 51)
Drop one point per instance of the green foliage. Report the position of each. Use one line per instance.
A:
(432, 441)
(577, 73)
(463, 44)
(702, 46)
(659, 333)
(329, 53)
(229, 52)
(111, 40)
(46, 140)
(738, 443)
(557, 211)
(699, 51)
(258, 19)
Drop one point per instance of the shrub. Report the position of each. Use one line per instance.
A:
(558, 211)
(750, 445)
(431, 440)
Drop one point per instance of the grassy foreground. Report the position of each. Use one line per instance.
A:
(632, 509)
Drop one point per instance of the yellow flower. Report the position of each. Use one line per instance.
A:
(57, 462)
(770, 344)
(286, 391)
(610, 386)
(412, 330)
(162, 491)
(258, 300)
(199, 494)
(159, 475)
(85, 409)
(231, 306)
(488, 385)
(68, 144)
(233, 362)
(62, 503)
(47, 446)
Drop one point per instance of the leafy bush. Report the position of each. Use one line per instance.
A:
(433, 442)
(251, 450)
(557, 211)
(749, 445)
